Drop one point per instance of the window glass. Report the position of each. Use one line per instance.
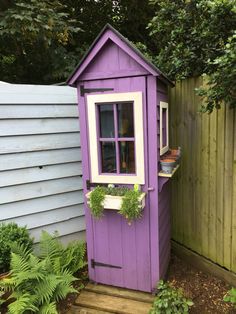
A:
(125, 119)
(106, 120)
(127, 157)
(108, 154)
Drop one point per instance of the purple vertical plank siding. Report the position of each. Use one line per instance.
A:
(142, 250)
(164, 198)
(86, 176)
(152, 171)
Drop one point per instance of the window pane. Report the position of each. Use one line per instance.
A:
(106, 120)
(125, 119)
(108, 154)
(127, 160)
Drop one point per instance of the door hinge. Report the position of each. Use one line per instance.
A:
(93, 90)
(94, 263)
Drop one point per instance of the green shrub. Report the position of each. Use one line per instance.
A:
(9, 234)
(231, 296)
(38, 282)
(170, 300)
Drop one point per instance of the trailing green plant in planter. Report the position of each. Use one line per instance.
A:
(11, 233)
(130, 208)
(170, 300)
(231, 296)
(38, 282)
(96, 201)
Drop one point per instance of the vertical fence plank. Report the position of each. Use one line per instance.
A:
(212, 239)
(198, 213)
(204, 188)
(220, 185)
(228, 186)
(204, 176)
(233, 257)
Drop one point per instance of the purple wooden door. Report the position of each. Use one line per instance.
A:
(118, 253)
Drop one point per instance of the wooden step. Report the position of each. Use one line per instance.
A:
(112, 304)
(120, 292)
(85, 310)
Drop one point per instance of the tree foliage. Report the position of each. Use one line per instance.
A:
(192, 38)
(189, 34)
(33, 39)
(41, 41)
(221, 83)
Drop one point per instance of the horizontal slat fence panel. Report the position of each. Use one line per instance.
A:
(40, 159)
(39, 111)
(38, 126)
(39, 205)
(203, 190)
(38, 189)
(26, 143)
(37, 94)
(72, 225)
(50, 217)
(40, 173)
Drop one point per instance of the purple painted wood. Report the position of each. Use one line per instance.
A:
(142, 249)
(153, 154)
(163, 196)
(86, 176)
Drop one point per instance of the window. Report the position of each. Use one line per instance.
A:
(116, 138)
(164, 128)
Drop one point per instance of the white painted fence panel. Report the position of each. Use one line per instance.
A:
(39, 111)
(37, 94)
(10, 144)
(41, 173)
(62, 227)
(61, 214)
(38, 126)
(40, 159)
(40, 205)
(39, 189)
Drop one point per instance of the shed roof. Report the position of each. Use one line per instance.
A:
(109, 32)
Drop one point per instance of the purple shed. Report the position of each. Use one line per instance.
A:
(123, 111)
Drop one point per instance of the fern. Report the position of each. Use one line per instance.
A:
(22, 304)
(50, 246)
(48, 308)
(38, 282)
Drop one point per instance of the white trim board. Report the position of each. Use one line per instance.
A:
(136, 98)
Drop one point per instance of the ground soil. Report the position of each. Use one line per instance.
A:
(206, 291)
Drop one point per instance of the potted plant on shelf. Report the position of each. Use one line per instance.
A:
(128, 202)
(170, 160)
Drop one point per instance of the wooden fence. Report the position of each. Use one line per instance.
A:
(40, 160)
(204, 189)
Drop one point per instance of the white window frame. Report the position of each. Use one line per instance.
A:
(96, 177)
(164, 149)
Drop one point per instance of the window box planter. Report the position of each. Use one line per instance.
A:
(114, 202)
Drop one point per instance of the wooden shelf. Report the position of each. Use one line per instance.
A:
(168, 175)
